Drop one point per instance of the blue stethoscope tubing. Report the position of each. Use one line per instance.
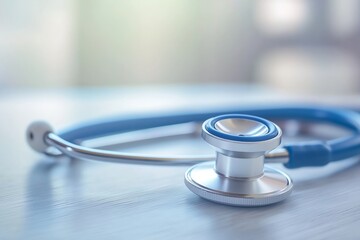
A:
(314, 153)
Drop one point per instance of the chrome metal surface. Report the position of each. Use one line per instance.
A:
(278, 155)
(241, 127)
(239, 167)
(273, 186)
(77, 151)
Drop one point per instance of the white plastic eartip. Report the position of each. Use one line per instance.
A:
(35, 135)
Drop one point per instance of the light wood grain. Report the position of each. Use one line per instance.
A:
(45, 199)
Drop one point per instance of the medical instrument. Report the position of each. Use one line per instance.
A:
(242, 138)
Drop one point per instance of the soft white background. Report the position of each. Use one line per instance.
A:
(300, 46)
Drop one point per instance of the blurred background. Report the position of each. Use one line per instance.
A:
(300, 46)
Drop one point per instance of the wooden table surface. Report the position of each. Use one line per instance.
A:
(70, 199)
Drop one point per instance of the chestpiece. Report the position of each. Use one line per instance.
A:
(238, 176)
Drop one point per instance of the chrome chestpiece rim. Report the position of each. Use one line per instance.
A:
(238, 176)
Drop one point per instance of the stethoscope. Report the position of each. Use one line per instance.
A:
(242, 138)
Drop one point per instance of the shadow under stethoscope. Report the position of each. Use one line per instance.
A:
(43, 195)
(41, 181)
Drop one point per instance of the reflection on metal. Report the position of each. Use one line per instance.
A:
(241, 127)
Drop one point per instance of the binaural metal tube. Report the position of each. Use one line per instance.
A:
(78, 151)
(278, 155)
